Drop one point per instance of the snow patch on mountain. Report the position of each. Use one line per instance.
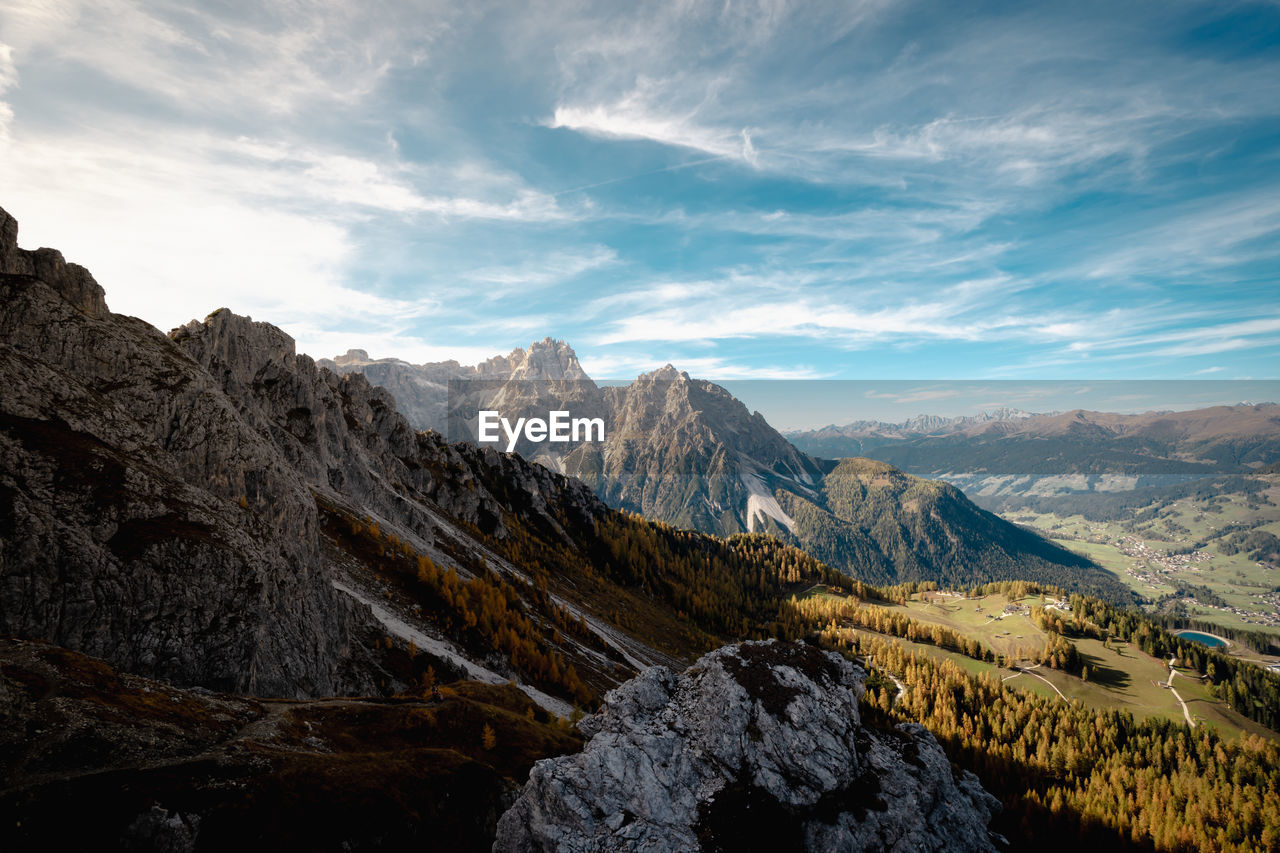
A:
(762, 504)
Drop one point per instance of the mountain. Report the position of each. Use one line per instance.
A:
(204, 537)
(212, 509)
(194, 521)
(685, 451)
(858, 437)
(679, 449)
(421, 391)
(121, 459)
(1066, 452)
(880, 524)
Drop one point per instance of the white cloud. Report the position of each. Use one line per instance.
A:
(198, 223)
(541, 271)
(811, 304)
(630, 119)
(1197, 237)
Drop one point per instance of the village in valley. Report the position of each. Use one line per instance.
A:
(1186, 554)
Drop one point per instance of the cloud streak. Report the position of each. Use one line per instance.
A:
(751, 189)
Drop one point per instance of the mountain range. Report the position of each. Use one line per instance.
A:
(244, 603)
(192, 521)
(1009, 452)
(685, 451)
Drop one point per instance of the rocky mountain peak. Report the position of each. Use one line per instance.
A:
(667, 373)
(757, 745)
(546, 359)
(235, 344)
(72, 281)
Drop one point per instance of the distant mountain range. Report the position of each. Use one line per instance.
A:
(835, 441)
(1008, 452)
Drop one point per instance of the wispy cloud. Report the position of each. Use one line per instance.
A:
(816, 188)
(627, 120)
(270, 58)
(543, 271)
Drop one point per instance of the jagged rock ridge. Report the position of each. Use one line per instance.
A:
(757, 745)
(126, 482)
(159, 500)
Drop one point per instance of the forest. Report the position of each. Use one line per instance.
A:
(1064, 772)
(1069, 775)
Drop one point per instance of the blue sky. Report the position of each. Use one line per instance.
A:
(748, 190)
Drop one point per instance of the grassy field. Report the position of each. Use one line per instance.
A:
(1010, 634)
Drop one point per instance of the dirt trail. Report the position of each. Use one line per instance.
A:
(1028, 671)
(902, 688)
(1173, 674)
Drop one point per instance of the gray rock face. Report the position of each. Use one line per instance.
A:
(421, 390)
(143, 517)
(756, 746)
(688, 452)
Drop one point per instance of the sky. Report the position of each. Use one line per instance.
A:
(846, 190)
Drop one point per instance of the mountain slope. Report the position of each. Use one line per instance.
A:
(889, 527)
(176, 505)
(211, 508)
(143, 517)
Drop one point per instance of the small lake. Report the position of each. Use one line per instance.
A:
(1203, 639)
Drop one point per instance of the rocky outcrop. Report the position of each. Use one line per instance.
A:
(72, 281)
(143, 518)
(756, 746)
(350, 442)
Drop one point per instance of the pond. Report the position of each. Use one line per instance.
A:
(1203, 639)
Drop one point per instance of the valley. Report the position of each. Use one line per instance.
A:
(1210, 557)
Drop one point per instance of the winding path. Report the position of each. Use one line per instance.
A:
(902, 688)
(1028, 671)
(1172, 674)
